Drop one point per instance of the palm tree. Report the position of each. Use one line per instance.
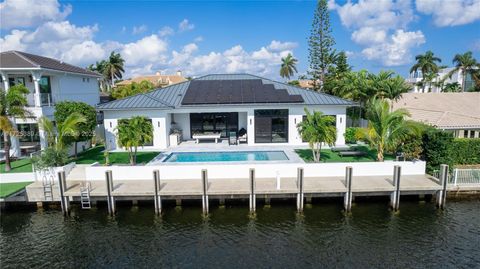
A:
(133, 133)
(288, 68)
(56, 137)
(394, 88)
(100, 67)
(386, 129)
(466, 64)
(452, 87)
(427, 63)
(317, 129)
(12, 105)
(114, 67)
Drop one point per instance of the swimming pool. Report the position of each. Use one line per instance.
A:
(225, 156)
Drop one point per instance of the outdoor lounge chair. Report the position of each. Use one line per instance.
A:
(341, 148)
(351, 153)
(242, 136)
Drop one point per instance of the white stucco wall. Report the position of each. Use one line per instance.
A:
(68, 87)
(161, 122)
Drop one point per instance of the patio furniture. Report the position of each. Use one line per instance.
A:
(242, 136)
(206, 136)
(232, 138)
(342, 148)
(351, 153)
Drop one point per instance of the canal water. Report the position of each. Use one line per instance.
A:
(322, 237)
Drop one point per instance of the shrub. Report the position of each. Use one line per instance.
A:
(466, 151)
(351, 135)
(412, 147)
(437, 149)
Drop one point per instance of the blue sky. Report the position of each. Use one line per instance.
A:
(238, 36)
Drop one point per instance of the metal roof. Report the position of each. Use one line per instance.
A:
(17, 59)
(171, 97)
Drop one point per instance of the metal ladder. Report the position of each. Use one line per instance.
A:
(85, 196)
(47, 187)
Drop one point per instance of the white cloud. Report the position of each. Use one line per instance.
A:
(279, 46)
(450, 12)
(149, 49)
(396, 51)
(264, 61)
(166, 31)
(185, 25)
(30, 13)
(380, 26)
(198, 39)
(13, 41)
(139, 29)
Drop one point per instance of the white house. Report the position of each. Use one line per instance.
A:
(416, 77)
(222, 104)
(49, 81)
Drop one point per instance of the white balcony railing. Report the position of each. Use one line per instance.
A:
(45, 99)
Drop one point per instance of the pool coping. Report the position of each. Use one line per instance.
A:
(290, 153)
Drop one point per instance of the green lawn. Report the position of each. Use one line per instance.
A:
(329, 156)
(19, 166)
(96, 155)
(7, 189)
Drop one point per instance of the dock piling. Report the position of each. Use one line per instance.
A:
(347, 202)
(205, 187)
(300, 198)
(110, 198)
(395, 196)
(64, 200)
(252, 197)
(442, 194)
(157, 200)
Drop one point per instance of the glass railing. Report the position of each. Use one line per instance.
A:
(46, 99)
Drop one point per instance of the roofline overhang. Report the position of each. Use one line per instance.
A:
(47, 69)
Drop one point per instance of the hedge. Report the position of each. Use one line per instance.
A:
(440, 147)
(466, 151)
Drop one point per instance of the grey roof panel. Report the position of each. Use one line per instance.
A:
(18, 59)
(172, 96)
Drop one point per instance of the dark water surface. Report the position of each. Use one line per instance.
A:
(371, 237)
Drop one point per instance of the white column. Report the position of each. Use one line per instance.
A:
(15, 143)
(341, 126)
(43, 139)
(251, 127)
(6, 84)
(36, 78)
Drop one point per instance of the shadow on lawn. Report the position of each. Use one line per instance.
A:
(329, 156)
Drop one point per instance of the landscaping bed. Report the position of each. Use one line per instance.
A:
(328, 156)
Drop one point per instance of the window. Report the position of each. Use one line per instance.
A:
(465, 133)
(472, 134)
(16, 81)
(28, 133)
(213, 123)
(271, 126)
(45, 86)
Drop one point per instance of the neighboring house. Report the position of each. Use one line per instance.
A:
(49, 81)
(306, 83)
(416, 78)
(158, 80)
(268, 111)
(455, 112)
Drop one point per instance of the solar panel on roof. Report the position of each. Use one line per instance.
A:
(236, 92)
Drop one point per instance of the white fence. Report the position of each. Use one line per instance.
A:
(462, 176)
(230, 171)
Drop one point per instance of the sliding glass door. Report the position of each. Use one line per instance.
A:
(271, 126)
(214, 123)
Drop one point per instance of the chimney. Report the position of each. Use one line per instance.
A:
(179, 73)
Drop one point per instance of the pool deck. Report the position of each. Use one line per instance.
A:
(222, 146)
(240, 188)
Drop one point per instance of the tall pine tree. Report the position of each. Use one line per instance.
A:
(320, 44)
